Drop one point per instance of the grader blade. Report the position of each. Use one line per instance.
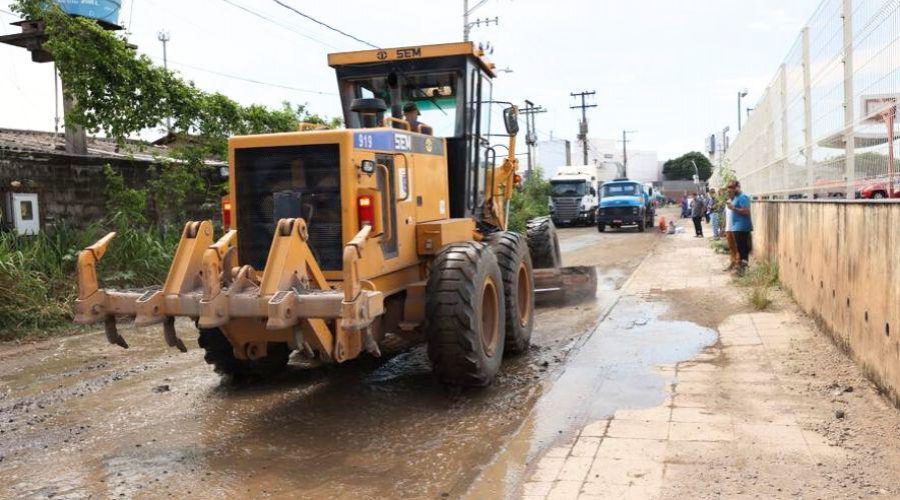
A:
(565, 284)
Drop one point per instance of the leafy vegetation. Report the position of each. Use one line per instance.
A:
(119, 92)
(530, 201)
(37, 272)
(682, 168)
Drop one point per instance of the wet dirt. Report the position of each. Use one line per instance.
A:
(80, 418)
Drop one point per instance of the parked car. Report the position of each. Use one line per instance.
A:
(879, 190)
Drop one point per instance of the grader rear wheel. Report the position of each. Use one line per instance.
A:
(220, 354)
(543, 244)
(512, 254)
(464, 315)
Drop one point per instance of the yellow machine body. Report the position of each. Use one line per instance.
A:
(331, 232)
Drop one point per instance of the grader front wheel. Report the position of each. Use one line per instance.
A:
(464, 311)
(543, 244)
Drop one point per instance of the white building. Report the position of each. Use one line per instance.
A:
(643, 165)
(552, 154)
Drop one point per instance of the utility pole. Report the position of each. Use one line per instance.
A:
(740, 95)
(625, 142)
(530, 131)
(583, 126)
(163, 36)
(467, 26)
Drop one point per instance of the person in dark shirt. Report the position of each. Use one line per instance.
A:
(698, 209)
(411, 114)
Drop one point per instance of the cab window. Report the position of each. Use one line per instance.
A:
(621, 190)
(436, 94)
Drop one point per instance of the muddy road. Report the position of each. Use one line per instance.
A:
(80, 418)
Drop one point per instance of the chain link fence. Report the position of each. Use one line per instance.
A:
(825, 126)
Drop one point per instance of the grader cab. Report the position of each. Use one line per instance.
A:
(366, 239)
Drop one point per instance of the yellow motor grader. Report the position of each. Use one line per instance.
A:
(366, 239)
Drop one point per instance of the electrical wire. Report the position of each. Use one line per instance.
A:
(276, 23)
(250, 80)
(332, 28)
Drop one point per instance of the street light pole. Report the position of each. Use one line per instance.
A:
(163, 36)
(741, 94)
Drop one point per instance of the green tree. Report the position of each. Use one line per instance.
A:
(529, 201)
(119, 92)
(682, 168)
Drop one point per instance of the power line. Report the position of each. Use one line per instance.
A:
(250, 80)
(332, 28)
(276, 23)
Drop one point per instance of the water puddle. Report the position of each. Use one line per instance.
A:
(614, 369)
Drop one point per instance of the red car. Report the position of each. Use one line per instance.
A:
(879, 190)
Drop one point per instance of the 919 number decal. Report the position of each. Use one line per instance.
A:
(365, 141)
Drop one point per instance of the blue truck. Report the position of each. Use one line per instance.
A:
(625, 202)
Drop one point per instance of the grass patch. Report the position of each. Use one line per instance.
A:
(760, 278)
(37, 273)
(720, 246)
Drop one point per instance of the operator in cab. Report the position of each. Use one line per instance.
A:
(411, 114)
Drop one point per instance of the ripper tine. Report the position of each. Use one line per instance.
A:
(112, 332)
(171, 336)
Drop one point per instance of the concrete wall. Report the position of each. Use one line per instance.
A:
(72, 188)
(841, 261)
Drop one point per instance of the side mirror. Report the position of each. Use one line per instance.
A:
(511, 120)
(593, 192)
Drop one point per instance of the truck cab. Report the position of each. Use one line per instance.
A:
(573, 199)
(624, 202)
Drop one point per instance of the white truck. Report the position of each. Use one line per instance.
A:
(574, 195)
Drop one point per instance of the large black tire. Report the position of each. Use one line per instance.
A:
(640, 226)
(464, 320)
(601, 227)
(511, 251)
(543, 244)
(220, 354)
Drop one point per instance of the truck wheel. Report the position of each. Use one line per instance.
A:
(601, 227)
(512, 255)
(464, 318)
(640, 226)
(220, 354)
(543, 244)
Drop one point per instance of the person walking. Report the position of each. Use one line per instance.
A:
(741, 224)
(714, 209)
(697, 211)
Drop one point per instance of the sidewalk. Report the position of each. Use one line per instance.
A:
(770, 410)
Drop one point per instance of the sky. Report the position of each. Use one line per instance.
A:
(670, 70)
